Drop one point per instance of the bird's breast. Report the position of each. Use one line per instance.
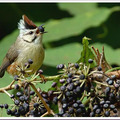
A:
(36, 53)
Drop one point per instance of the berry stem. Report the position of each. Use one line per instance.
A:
(46, 106)
(82, 82)
(1, 112)
(83, 96)
(100, 83)
(9, 87)
(7, 93)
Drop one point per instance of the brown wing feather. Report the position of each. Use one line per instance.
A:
(9, 59)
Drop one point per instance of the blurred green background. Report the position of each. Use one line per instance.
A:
(67, 24)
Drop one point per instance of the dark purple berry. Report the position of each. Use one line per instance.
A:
(116, 85)
(62, 81)
(12, 96)
(41, 29)
(71, 110)
(26, 98)
(40, 71)
(26, 106)
(107, 90)
(16, 78)
(77, 82)
(67, 94)
(82, 106)
(108, 102)
(66, 115)
(32, 92)
(78, 111)
(98, 111)
(78, 89)
(92, 114)
(82, 77)
(107, 80)
(64, 106)
(75, 105)
(76, 65)
(54, 84)
(62, 88)
(110, 82)
(21, 110)
(79, 102)
(64, 100)
(17, 102)
(1, 106)
(105, 106)
(17, 114)
(6, 106)
(115, 110)
(22, 98)
(13, 112)
(18, 94)
(44, 95)
(69, 80)
(69, 75)
(99, 68)
(50, 93)
(36, 105)
(118, 81)
(8, 111)
(95, 107)
(107, 113)
(30, 61)
(90, 60)
(27, 65)
(70, 86)
(113, 77)
(55, 100)
(16, 86)
(112, 107)
(61, 66)
(102, 102)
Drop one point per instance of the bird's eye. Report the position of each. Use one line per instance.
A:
(30, 32)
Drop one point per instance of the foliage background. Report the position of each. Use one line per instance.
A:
(67, 24)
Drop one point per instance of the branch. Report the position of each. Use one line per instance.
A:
(44, 103)
(9, 87)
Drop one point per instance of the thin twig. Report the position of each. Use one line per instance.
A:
(100, 83)
(9, 87)
(44, 103)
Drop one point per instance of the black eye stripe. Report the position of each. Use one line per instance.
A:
(34, 38)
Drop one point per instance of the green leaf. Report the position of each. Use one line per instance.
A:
(66, 54)
(54, 108)
(86, 54)
(67, 27)
(78, 8)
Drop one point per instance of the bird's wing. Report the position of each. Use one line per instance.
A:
(10, 57)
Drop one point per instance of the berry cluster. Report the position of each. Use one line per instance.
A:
(70, 89)
(82, 91)
(78, 91)
(26, 103)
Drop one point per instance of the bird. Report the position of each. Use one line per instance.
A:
(28, 45)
